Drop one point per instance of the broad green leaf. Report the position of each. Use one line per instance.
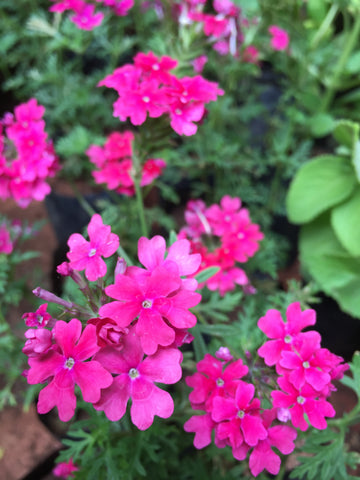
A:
(337, 272)
(345, 220)
(346, 133)
(356, 159)
(321, 124)
(319, 185)
(317, 10)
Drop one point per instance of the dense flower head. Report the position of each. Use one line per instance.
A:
(115, 165)
(279, 38)
(306, 369)
(234, 414)
(222, 234)
(83, 11)
(27, 158)
(148, 88)
(87, 255)
(120, 353)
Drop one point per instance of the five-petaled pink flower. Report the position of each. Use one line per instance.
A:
(64, 366)
(135, 378)
(86, 255)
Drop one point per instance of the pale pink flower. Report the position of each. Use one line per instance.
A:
(87, 255)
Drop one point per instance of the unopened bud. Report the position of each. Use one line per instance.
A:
(120, 267)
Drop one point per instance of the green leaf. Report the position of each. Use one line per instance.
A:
(345, 222)
(206, 274)
(353, 64)
(321, 124)
(318, 185)
(337, 272)
(317, 10)
(346, 133)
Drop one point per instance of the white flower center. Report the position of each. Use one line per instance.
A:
(220, 382)
(146, 99)
(241, 414)
(300, 400)
(306, 364)
(70, 362)
(288, 339)
(178, 111)
(146, 304)
(155, 67)
(133, 373)
(92, 252)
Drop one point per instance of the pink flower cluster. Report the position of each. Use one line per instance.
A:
(148, 88)
(223, 28)
(27, 159)
(126, 346)
(84, 14)
(234, 412)
(114, 161)
(6, 244)
(65, 469)
(235, 416)
(306, 369)
(223, 235)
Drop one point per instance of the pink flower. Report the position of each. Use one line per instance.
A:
(199, 63)
(65, 366)
(263, 457)
(86, 255)
(6, 245)
(154, 67)
(158, 302)
(39, 318)
(300, 402)
(250, 54)
(65, 469)
(135, 378)
(213, 380)
(280, 38)
(285, 335)
(239, 417)
(39, 341)
(202, 426)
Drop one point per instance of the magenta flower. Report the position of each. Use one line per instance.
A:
(300, 402)
(280, 38)
(39, 341)
(239, 417)
(65, 469)
(214, 379)
(39, 318)
(65, 366)
(281, 437)
(135, 378)
(285, 335)
(6, 245)
(86, 255)
(158, 301)
(202, 426)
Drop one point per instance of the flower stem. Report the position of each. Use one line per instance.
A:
(350, 42)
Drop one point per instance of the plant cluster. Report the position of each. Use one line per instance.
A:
(211, 112)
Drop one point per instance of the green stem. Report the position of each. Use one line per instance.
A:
(324, 26)
(139, 197)
(351, 40)
(83, 202)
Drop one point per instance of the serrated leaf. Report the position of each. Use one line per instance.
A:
(346, 224)
(319, 185)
